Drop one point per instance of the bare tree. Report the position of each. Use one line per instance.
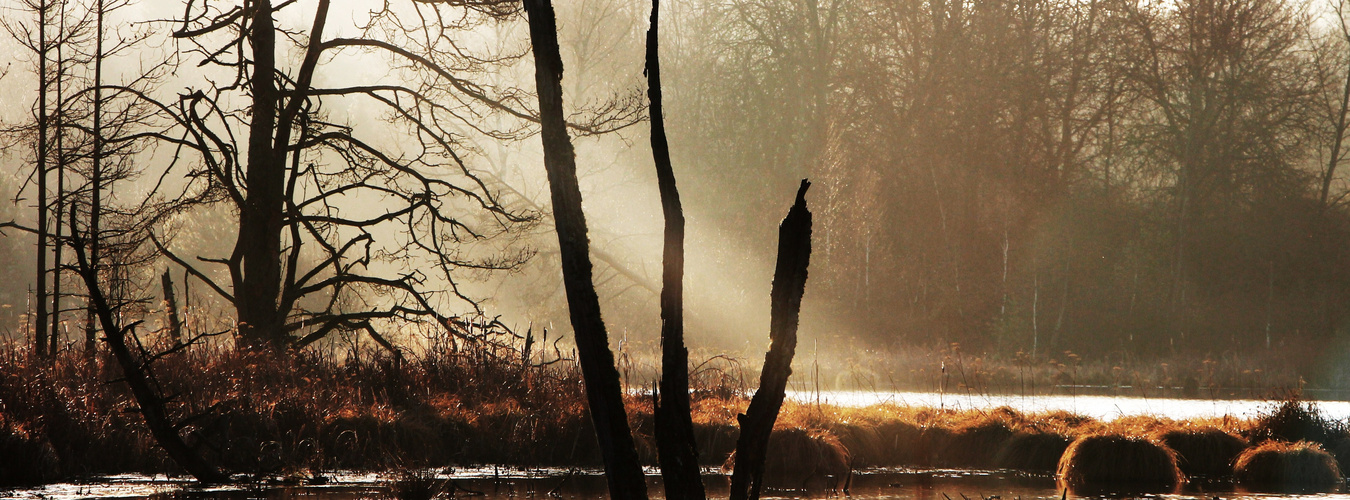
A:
(603, 392)
(676, 449)
(301, 250)
(789, 284)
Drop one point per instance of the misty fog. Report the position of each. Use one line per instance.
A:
(1019, 182)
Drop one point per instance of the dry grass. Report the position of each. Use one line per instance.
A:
(1037, 452)
(1203, 451)
(307, 412)
(1112, 462)
(1295, 420)
(1287, 467)
(800, 458)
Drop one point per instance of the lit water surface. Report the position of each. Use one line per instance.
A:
(1099, 407)
(490, 484)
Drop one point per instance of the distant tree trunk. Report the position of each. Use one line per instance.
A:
(60, 200)
(789, 284)
(171, 308)
(96, 175)
(40, 327)
(150, 403)
(674, 431)
(603, 393)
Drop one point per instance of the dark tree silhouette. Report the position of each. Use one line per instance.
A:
(603, 392)
(674, 430)
(789, 284)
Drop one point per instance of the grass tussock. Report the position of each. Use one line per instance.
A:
(1037, 452)
(1280, 466)
(1203, 451)
(418, 485)
(1295, 420)
(1112, 462)
(800, 458)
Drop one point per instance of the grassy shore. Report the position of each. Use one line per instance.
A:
(258, 414)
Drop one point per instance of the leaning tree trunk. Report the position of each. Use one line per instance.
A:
(675, 447)
(149, 402)
(789, 283)
(603, 393)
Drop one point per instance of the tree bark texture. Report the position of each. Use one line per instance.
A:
(258, 249)
(789, 284)
(676, 451)
(603, 392)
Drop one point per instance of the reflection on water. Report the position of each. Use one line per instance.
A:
(516, 484)
(1099, 407)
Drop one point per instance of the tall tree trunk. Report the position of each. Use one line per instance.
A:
(675, 447)
(150, 403)
(96, 175)
(789, 284)
(60, 200)
(603, 393)
(258, 250)
(40, 327)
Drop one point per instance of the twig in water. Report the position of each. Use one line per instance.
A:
(554, 492)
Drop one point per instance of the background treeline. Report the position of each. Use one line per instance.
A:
(1101, 176)
(1115, 178)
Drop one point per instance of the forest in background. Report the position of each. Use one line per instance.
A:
(1116, 178)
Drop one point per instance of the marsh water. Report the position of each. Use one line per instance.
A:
(1086, 401)
(489, 483)
(514, 483)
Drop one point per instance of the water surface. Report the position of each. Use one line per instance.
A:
(1096, 406)
(516, 484)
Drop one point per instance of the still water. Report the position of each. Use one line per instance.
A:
(516, 484)
(1096, 406)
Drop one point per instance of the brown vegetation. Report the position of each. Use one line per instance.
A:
(273, 415)
(801, 458)
(1114, 462)
(1281, 466)
(1203, 451)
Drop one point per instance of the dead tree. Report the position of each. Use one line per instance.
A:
(674, 430)
(789, 284)
(171, 308)
(148, 400)
(39, 42)
(306, 261)
(603, 392)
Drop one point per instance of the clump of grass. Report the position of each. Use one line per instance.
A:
(1204, 451)
(800, 458)
(1294, 420)
(1032, 451)
(25, 459)
(1287, 467)
(715, 441)
(975, 444)
(1111, 462)
(418, 485)
(865, 445)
